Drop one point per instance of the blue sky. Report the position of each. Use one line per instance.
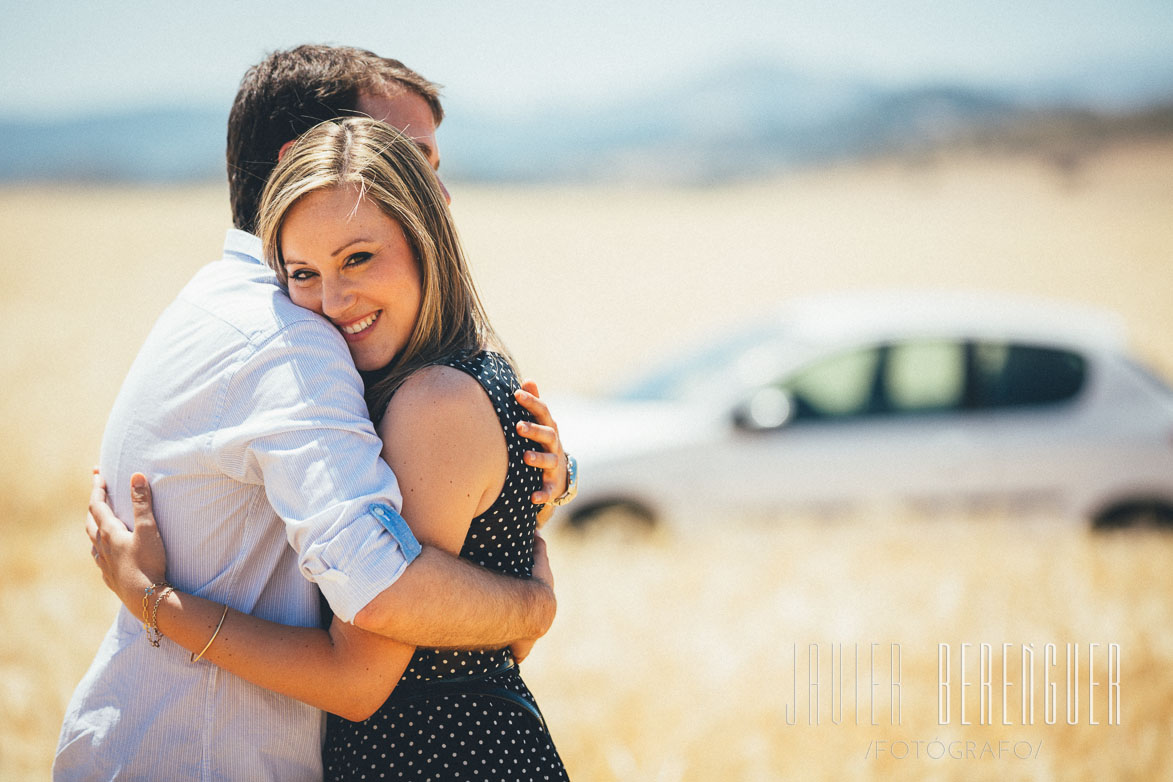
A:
(60, 58)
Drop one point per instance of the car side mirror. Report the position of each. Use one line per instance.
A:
(765, 410)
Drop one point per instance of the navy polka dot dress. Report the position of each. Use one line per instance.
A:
(459, 714)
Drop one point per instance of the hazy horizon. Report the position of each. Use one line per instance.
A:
(136, 54)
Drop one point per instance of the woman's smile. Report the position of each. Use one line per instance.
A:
(359, 329)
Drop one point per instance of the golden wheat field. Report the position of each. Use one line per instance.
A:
(677, 656)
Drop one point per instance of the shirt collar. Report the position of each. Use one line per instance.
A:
(243, 245)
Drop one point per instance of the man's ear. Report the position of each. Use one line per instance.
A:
(284, 148)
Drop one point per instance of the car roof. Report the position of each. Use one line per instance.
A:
(878, 316)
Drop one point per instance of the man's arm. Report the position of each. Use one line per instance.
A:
(441, 600)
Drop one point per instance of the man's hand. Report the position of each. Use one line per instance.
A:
(544, 431)
(130, 561)
(542, 572)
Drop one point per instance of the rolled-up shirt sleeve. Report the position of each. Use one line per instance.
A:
(295, 421)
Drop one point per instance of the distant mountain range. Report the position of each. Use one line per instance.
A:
(158, 145)
(741, 122)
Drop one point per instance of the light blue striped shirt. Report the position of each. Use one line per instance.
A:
(247, 415)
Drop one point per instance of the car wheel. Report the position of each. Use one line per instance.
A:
(623, 514)
(1138, 513)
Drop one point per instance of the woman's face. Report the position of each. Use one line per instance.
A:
(352, 264)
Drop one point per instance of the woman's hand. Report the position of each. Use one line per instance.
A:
(130, 561)
(544, 431)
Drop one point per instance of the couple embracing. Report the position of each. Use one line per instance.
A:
(331, 376)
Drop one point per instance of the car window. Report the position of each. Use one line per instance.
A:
(905, 378)
(836, 387)
(1010, 375)
(924, 376)
(741, 360)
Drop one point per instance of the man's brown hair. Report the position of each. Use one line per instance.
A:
(288, 93)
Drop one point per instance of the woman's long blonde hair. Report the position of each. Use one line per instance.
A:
(388, 169)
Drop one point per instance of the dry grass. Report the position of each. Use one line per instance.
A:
(671, 656)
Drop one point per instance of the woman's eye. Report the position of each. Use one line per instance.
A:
(358, 258)
(301, 275)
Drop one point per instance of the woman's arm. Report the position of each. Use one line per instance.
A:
(444, 443)
(442, 437)
(344, 670)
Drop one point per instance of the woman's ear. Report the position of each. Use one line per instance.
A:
(284, 148)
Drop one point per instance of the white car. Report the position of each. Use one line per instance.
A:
(927, 401)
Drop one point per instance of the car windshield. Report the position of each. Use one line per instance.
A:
(1150, 377)
(726, 367)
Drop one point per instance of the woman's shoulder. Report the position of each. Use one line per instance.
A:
(465, 389)
(443, 418)
(439, 388)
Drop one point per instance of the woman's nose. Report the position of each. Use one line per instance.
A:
(337, 298)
